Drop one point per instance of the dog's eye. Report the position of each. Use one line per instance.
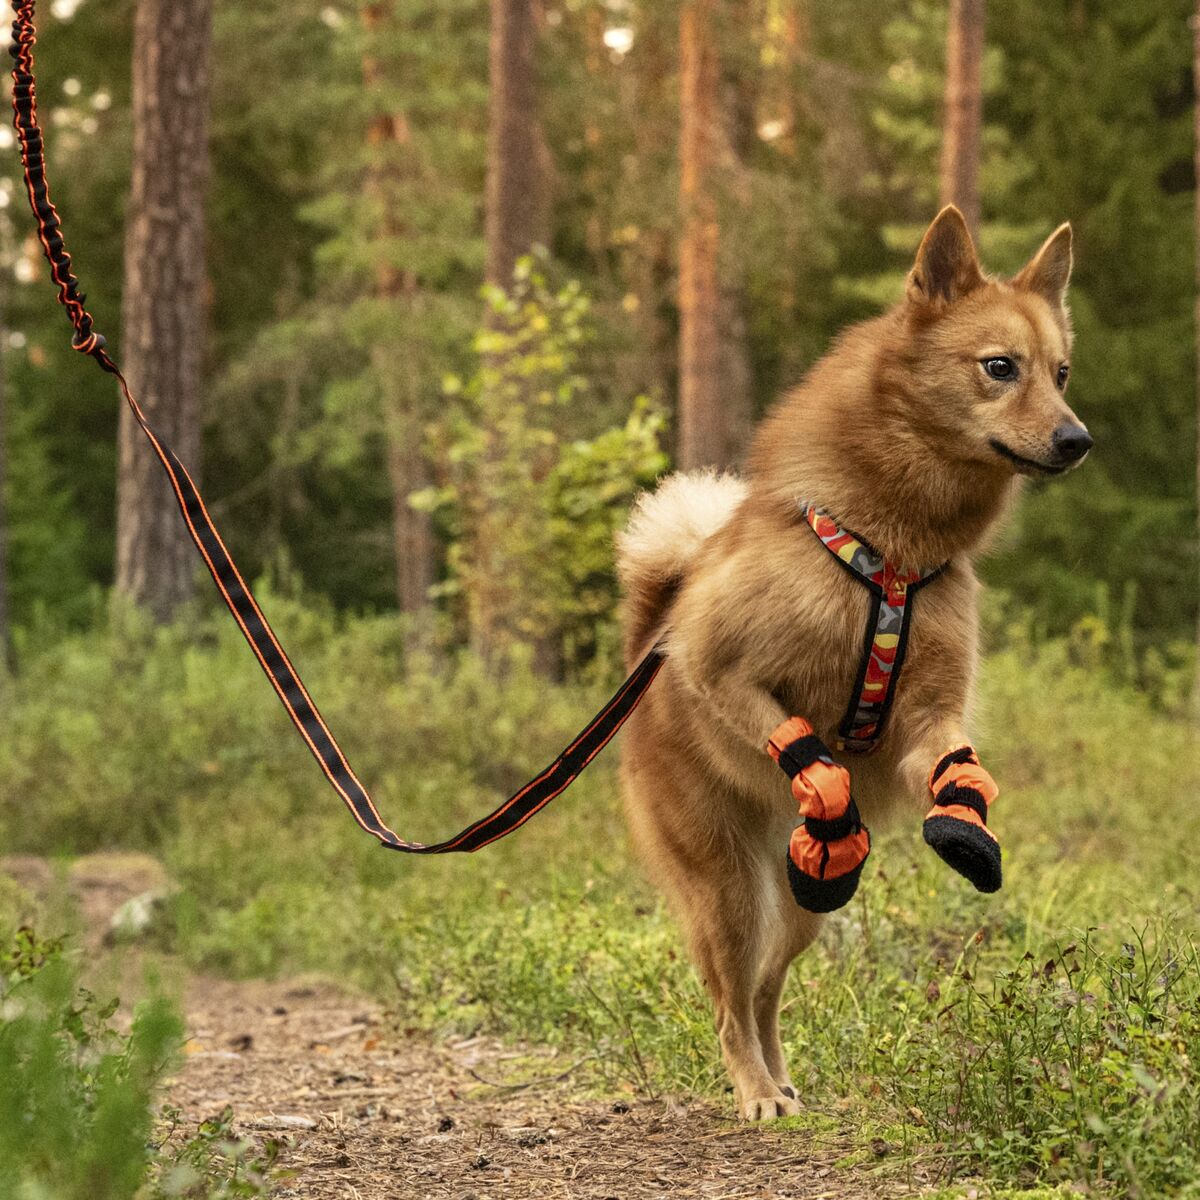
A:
(1000, 368)
(1063, 372)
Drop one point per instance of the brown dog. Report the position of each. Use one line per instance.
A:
(911, 432)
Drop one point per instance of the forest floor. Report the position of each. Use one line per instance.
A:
(365, 1113)
(364, 1110)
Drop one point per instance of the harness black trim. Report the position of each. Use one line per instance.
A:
(284, 678)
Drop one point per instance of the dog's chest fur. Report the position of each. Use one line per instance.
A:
(766, 594)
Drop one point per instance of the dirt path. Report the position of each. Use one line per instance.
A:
(366, 1118)
(365, 1113)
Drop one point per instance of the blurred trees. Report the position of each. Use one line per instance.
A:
(1196, 294)
(388, 138)
(345, 267)
(164, 311)
(515, 202)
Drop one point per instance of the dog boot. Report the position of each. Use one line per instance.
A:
(826, 854)
(956, 826)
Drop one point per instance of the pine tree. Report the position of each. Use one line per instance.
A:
(163, 315)
(388, 136)
(516, 175)
(714, 383)
(1196, 301)
(962, 121)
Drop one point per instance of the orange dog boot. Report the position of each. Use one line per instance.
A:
(827, 852)
(956, 826)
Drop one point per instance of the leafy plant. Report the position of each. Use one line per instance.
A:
(533, 509)
(76, 1096)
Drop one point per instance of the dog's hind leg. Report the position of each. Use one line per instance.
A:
(730, 955)
(792, 930)
(720, 879)
(729, 913)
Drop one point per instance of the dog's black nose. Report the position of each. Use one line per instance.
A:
(1071, 442)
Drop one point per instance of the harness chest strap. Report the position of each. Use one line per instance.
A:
(892, 590)
(825, 857)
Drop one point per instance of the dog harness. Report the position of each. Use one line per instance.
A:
(828, 849)
(892, 590)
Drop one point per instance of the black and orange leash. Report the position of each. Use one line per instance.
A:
(515, 811)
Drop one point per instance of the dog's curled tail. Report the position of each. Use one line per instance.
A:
(665, 533)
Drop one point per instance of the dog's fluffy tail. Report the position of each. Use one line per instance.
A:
(665, 533)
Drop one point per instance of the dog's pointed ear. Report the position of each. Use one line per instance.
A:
(1049, 271)
(946, 266)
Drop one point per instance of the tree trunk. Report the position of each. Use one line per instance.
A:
(1196, 311)
(408, 471)
(515, 193)
(6, 655)
(714, 393)
(514, 220)
(963, 118)
(163, 312)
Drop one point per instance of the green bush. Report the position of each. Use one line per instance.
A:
(79, 1118)
(76, 1110)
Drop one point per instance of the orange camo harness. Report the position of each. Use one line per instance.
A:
(892, 590)
(828, 849)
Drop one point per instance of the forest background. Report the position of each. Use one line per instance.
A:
(426, 291)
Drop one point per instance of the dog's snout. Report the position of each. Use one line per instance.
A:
(1071, 442)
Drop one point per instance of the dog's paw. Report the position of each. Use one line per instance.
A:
(768, 1108)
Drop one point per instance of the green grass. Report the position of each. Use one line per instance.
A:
(1041, 1038)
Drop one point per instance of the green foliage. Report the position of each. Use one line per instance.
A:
(78, 1112)
(75, 1095)
(215, 1164)
(534, 511)
(316, 364)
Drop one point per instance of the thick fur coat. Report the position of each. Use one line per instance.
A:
(906, 436)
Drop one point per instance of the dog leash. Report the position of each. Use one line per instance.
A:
(238, 598)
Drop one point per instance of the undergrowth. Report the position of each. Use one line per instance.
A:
(1038, 1039)
(79, 1116)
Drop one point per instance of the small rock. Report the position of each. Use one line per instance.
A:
(137, 916)
(283, 1121)
(525, 1135)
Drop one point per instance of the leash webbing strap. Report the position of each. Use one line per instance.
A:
(515, 811)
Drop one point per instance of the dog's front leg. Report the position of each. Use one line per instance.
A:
(826, 853)
(944, 766)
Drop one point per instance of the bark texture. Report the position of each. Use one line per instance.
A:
(516, 167)
(963, 118)
(515, 220)
(413, 542)
(5, 618)
(714, 375)
(1196, 151)
(163, 313)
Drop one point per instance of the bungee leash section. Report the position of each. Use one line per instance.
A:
(515, 811)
